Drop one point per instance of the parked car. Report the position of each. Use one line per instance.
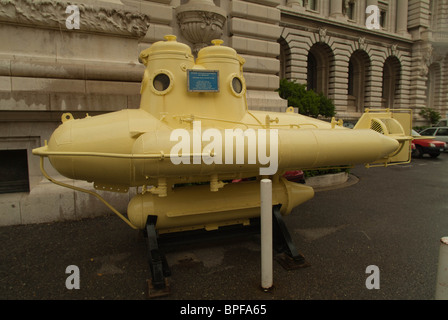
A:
(295, 176)
(442, 123)
(440, 133)
(426, 145)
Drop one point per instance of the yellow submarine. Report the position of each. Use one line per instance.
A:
(187, 183)
(196, 153)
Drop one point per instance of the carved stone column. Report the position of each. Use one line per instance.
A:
(200, 21)
(402, 16)
(336, 9)
(296, 4)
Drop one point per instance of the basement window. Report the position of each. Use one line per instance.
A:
(14, 171)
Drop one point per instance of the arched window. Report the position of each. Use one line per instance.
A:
(285, 59)
(358, 79)
(391, 81)
(312, 72)
(319, 66)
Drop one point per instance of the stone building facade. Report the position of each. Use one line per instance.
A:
(49, 66)
(401, 64)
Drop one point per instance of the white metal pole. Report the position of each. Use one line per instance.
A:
(266, 234)
(442, 271)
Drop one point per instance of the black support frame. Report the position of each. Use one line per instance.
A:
(287, 254)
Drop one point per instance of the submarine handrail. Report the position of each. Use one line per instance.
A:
(385, 164)
(99, 197)
(253, 116)
(193, 117)
(154, 156)
(290, 125)
(386, 110)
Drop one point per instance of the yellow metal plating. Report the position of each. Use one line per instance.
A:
(134, 148)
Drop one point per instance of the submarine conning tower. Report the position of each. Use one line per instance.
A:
(175, 86)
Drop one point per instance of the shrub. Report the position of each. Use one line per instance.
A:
(430, 115)
(308, 102)
(313, 173)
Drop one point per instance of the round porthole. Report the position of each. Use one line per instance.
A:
(237, 86)
(161, 82)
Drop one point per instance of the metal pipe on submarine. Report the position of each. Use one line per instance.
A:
(194, 126)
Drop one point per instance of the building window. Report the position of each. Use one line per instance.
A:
(383, 17)
(320, 65)
(311, 72)
(14, 171)
(308, 4)
(350, 78)
(391, 81)
(350, 9)
(285, 59)
(358, 76)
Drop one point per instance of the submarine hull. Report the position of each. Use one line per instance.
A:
(196, 207)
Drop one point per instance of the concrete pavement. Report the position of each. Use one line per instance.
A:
(391, 218)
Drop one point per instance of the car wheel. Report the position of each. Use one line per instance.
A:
(434, 155)
(418, 152)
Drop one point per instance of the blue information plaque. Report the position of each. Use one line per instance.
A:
(203, 80)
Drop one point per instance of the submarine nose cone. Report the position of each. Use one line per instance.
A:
(388, 146)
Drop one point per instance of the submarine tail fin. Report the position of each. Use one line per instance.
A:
(394, 123)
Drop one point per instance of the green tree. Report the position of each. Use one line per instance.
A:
(430, 115)
(308, 102)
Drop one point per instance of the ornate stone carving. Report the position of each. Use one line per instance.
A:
(394, 50)
(362, 43)
(109, 18)
(428, 55)
(426, 60)
(322, 34)
(438, 54)
(200, 21)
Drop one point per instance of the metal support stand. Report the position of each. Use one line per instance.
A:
(266, 235)
(288, 256)
(158, 285)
